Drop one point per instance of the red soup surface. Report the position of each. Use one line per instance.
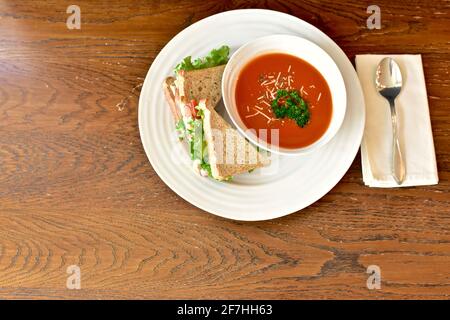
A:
(258, 84)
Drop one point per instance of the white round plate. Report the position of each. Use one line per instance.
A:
(290, 183)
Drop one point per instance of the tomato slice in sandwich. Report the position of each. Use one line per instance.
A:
(194, 111)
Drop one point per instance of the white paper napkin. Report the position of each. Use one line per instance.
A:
(415, 135)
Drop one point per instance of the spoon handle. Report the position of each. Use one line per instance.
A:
(398, 165)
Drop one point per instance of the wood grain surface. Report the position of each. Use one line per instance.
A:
(76, 187)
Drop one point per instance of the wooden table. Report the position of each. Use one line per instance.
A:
(77, 189)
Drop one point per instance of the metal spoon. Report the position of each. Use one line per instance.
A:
(389, 84)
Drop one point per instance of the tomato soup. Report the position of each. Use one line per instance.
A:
(265, 77)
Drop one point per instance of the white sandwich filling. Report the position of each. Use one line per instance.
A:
(212, 159)
(209, 157)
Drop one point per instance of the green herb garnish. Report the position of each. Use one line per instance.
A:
(215, 58)
(289, 104)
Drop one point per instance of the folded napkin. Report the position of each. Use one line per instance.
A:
(414, 126)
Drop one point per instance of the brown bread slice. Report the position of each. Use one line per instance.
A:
(229, 152)
(202, 84)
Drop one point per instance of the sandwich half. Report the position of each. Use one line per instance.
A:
(229, 153)
(217, 149)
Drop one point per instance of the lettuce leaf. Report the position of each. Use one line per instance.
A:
(215, 58)
(207, 167)
(197, 140)
(181, 129)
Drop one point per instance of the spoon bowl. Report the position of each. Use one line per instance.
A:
(389, 78)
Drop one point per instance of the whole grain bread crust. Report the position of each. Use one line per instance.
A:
(169, 92)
